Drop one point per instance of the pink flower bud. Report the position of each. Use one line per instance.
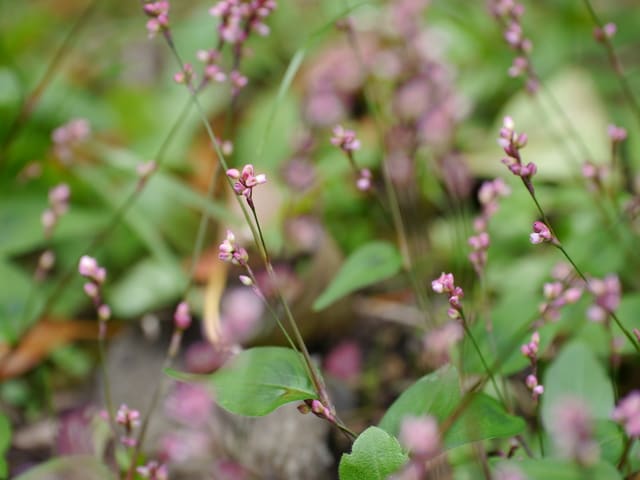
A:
(182, 316)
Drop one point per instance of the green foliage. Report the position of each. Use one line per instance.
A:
(371, 263)
(374, 456)
(257, 381)
(554, 469)
(80, 466)
(438, 394)
(576, 372)
(5, 442)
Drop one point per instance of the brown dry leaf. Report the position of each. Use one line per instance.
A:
(212, 295)
(44, 337)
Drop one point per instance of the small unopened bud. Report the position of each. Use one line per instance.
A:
(182, 317)
(245, 280)
(104, 312)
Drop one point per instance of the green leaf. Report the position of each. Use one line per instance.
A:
(576, 372)
(74, 467)
(555, 469)
(438, 394)
(374, 456)
(16, 294)
(257, 381)
(369, 264)
(149, 284)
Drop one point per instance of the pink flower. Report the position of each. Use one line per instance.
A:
(159, 13)
(245, 180)
(154, 471)
(182, 316)
(345, 139)
(627, 413)
(88, 267)
(572, 431)
(617, 134)
(229, 251)
(127, 417)
(541, 233)
(421, 436)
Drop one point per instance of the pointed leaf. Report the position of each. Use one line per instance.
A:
(257, 381)
(576, 372)
(369, 264)
(375, 455)
(438, 394)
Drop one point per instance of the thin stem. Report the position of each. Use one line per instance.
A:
(624, 457)
(540, 430)
(482, 359)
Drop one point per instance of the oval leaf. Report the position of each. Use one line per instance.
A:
(257, 381)
(438, 394)
(78, 467)
(369, 264)
(374, 456)
(576, 372)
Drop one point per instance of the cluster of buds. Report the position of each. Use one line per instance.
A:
(542, 233)
(512, 142)
(509, 13)
(605, 33)
(530, 350)
(563, 290)
(617, 134)
(245, 181)
(345, 139)
(445, 284)
(212, 71)
(144, 171)
(130, 420)
(184, 76)
(158, 13)
(572, 431)
(230, 251)
(68, 136)
(238, 19)
(153, 471)
(488, 195)
(89, 268)
(182, 316)
(627, 414)
(364, 180)
(58, 206)
(606, 293)
(318, 409)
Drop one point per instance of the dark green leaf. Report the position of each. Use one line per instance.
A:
(257, 381)
(374, 456)
(369, 264)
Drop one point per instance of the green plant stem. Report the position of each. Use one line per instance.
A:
(482, 359)
(624, 456)
(540, 430)
(616, 64)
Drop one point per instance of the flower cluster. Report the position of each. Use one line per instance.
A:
(445, 284)
(509, 13)
(488, 195)
(68, 136)
(238, 19)
(130, 420)
(89, 268)
(512, 142)
(541, 233)
(617, 134)
(627, 414)
(154, 471)
(230, 251)
(245, 181)
(563, 290)
(606, 293)
(439, 342)
(345, 139)
(572, 431)
(595, 175)
(530, 350)
(159, 17)
(605, 33)
(212, 71)
(58, 206)
(184, 76)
